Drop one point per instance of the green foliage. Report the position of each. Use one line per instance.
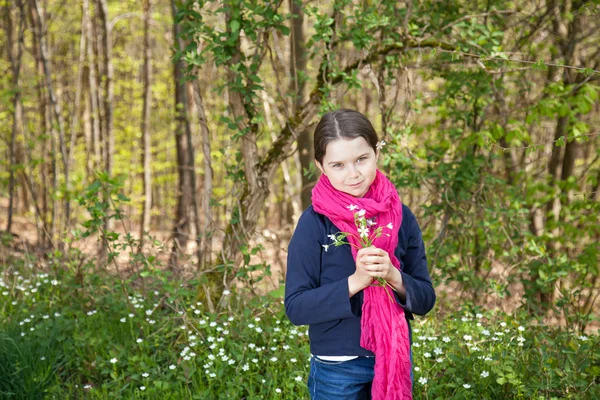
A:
(68, 338)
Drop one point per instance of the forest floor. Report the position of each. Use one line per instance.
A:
(273, 253)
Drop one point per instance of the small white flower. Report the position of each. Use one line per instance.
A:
(437, 351)
(332, 237)
(326, 247)
(298, 379)
(363, 232)
(139, 340)
(231, 362)
(427, 355)
(485, 332)
(502, 324)
(87, 387)
(123, 320)
(352, 207)
(245, 367)
(145, 374)
(142, 388)
(467, 337)
(278, 390)
(439, 360)
(521, 328)
(172, 367)
(226, 292)
(148, 312)
(42, 358)
(485, 374)
(422, 380)
(583, 338)
(113, 360)
(467, 386)
(273, 359)
(417, 369)
(361, 213)
(478, 315)
(390, 226)
(293, 360)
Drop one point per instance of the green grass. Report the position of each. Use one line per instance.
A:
(64, 337)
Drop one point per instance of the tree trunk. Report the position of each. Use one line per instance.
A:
(146, 138)
(93, 88)
(566, 26)
(207, 229)
(56, 107)
(108, 139)
(15, 66)
(181, 228)
(298, 79)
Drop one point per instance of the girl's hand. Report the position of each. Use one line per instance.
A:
(377, 264)
(361, 278)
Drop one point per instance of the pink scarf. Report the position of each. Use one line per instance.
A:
(384, 330)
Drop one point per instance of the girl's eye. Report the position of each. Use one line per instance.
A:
(337, 165)
(362, 158)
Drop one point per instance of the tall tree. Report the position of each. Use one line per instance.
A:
(93, 90)
(146, 137)
(184, 210)
(53, 119)
(108, 139)
(298, 84)
(15, 66)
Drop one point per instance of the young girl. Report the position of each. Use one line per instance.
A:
(359, 331)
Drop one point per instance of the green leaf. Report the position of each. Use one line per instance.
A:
(234, 25)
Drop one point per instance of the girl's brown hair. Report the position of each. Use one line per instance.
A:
(342, 124)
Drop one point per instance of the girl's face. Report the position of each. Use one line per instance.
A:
(350, 165)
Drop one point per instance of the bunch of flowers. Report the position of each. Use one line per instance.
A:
(366, 233)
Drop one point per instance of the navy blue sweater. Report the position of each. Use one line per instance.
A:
(316, 290)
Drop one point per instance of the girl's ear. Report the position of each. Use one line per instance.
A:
(318, 164)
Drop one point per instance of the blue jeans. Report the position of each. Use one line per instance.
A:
(342, 380)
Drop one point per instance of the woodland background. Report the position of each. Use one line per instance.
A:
(146, 136)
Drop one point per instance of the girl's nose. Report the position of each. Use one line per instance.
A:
(353, 171)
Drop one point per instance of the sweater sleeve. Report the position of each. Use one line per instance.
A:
(420, 294)
(307, 302)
